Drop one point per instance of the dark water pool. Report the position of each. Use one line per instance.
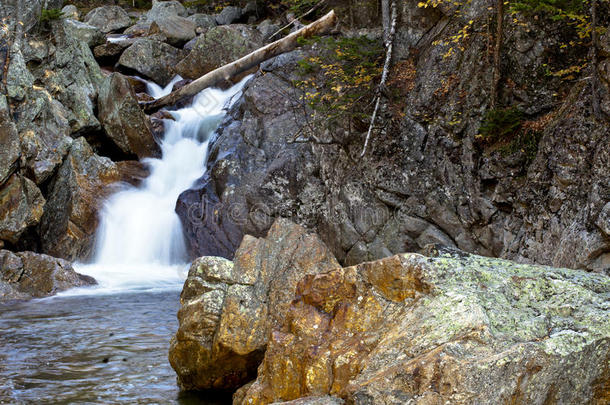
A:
(101, 349)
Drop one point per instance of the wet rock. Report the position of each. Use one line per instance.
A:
(70, 219)
(71, 12)
(217, 47)
(123, 120)
(89, 34)
(9, 142)
(28, 275)
(229, 15)
(132, 171)
(153, 59)
(450, 328)
(21, 207)
(203, 22)
(108, 18)
(173, 29)
(229, 308)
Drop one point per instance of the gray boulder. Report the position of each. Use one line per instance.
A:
(229, 15)
(123, 120)
(203, 22)
(267, 28)
(87, 33)
(71, 12)
(161, 9)
(217, 47)
(108, 18)
(28, 275)
(172, 29)
(153, 59)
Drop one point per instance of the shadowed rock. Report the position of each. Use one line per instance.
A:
(153, 59)
(76, 194)
(28, 275)
(21, 207)
(123, 120)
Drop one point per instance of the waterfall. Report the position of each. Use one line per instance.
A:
(140, 242)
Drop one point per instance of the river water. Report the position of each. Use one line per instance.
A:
(108, 344)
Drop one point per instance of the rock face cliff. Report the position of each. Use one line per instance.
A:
(444, 327)
(428, 176)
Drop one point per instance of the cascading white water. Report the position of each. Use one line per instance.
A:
(140, 243)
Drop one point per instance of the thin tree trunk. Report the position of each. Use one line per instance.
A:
(594, 61)
(497, 73)
(385, 19)
(225, 72)
(384, 76)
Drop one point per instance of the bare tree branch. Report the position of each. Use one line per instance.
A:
(241, 65)
(384, 75)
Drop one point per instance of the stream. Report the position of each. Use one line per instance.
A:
(108, 344)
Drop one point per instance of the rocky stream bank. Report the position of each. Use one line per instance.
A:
(414, 274)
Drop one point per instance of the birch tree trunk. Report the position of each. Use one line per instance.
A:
(225, 72)
(384, 76)
(385, 19)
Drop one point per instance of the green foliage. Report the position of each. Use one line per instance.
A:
(511, 133)
(196, 3)
(52, 14)
(299, 7)
(144, 4)
(340, 81)
(556, 9)
(500, 124)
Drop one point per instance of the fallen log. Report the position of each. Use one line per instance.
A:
(241, 65)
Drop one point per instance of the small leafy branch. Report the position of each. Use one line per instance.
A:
(52, 14)
(339, 81)
(508, 130)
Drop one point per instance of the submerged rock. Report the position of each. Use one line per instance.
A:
(450, 328)
(153, 59)
(123, 120)
(108, 18)
(229, 308)
(70, 219)
(28, 275)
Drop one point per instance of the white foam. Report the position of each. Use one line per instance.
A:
(140, 242)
